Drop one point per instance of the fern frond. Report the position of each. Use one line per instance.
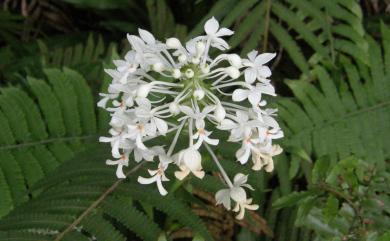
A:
(342, 116)
(41, 127)
(89, 208)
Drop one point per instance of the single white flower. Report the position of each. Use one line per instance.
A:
(189, 161)
(122, 161)
(264, 159)
(117, 141)
(237, 194)
(248, 145)
(214, 34)
(202, 135)
(144, 111)
(158, 175)
(256, 68)
(240, 128)
(127, 66)
(254, 93)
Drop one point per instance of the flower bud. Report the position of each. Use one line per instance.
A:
(200, 47)
(189, 73)
(195, 60)
(199, 94)
(143, 90)
(233, 72)
(176, 73)
(205, 69)
(174, 108)
(234, 60)
(158, 67)
(219, 113)
(182, 58)
(173, 43)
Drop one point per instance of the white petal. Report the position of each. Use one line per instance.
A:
(227, 124)
(242, 155)
(146, 36)
(144, 103)
(208, 109)
(240, 95)
(119, 171)
(240, 179)
(224, 32)
(270, 166)
(211, 26)
(254, 98)
(115, 149)
(152, 172)
(252, 207)
(192, 159)
(269, 121)
(199, 174)
(250, 75)
(160, 187)
(264, 72)
(220, 44)
(241, 214)
(252, 55)
(149, 180)
(199, 124)
(238, 194)
(211, 141)
(182, 174)
(223, 196)
(242, 116)
(139, 143)
(161, 126)
(264, 58)
(105, 139)
(103, 102)
(187, 110)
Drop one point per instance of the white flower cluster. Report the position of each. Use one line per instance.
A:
(170, 87)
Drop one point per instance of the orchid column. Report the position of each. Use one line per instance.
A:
(193, 95)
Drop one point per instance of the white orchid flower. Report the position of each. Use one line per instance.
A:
(118, 141)
(158, 175)
(241, 127)
(263, 158)
(256, 68)
(248, 145)
(189, 161)
(214, 34)
(122, 161)
(127, 66)
(237, 194)
(203, 136)
(144, 111)
(254, 93)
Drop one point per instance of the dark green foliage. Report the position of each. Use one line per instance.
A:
(61, 201)
(41, 127)
(347, 201)
(340, 107)
(345, 114)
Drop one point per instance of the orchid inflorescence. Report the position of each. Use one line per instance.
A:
(160, 88)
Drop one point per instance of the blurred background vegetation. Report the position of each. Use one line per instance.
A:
(332, 74)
